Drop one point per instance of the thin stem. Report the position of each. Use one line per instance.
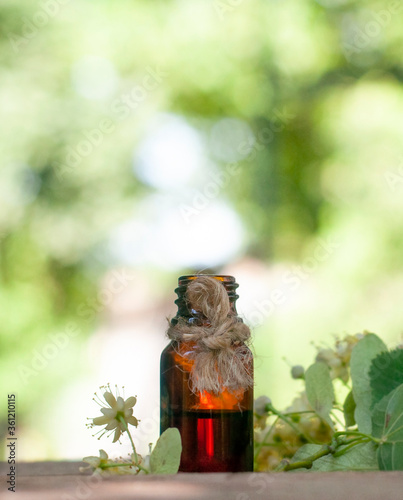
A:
(307, 462)
(136, 457)
(349, 441)
(331, 448)
(344, 450)
(290, 423)
(117, 464)
(298, 412)
(259, 446)
(123, 422)
(356, 433)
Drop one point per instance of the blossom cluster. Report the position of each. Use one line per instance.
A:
(279, 438)
(338, 359)
(276, 440)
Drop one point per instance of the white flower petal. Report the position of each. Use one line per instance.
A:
(110, 399)
(111, 425)
(117, 434)
(120, 404)
(109, 412)
(128, 413)
(130, 402)
(132, 421)
(103, 455)
(93, 461)
(100, 420)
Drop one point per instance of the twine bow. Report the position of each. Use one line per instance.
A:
(220, 356)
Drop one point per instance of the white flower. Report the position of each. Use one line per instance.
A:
(118, 409)
(105, 466)
(338, 360)
(95, 462)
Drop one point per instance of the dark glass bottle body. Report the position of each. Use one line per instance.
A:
(216, 429)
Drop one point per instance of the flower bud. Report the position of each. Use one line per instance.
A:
(297, 371)
(260, 405)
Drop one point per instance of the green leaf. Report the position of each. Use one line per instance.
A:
(386, 373)
(319, 390)
(387, 425)
(166, 455)
(361, 357)
(360, 457)
(306, 451)
(349, 409)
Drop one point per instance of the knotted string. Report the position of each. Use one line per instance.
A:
(220, 356)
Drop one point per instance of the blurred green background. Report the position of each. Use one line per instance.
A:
(142, 140)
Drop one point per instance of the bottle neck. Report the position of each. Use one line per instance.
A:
(185, 310)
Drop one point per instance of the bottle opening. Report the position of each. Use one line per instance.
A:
(184, 280)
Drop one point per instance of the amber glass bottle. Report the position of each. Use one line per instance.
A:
(216, 429)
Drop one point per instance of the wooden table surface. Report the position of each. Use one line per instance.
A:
(63, 481)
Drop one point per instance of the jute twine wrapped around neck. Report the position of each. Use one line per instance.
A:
(220, 357)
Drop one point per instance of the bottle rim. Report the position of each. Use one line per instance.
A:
(226, 278)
